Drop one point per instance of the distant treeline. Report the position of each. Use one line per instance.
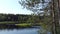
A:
(19, 17)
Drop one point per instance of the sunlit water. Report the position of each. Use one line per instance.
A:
(20, 31)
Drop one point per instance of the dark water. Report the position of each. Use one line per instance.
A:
(20, 31)
(12, 29)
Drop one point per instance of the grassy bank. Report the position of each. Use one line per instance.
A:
(7, 22)
(14, 23)
(24, 25)
(18, 25)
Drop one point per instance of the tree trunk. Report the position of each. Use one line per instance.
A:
(55, 22)
(59, 9)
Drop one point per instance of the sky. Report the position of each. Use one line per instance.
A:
(12, 7)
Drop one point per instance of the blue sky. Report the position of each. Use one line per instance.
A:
(12, 7)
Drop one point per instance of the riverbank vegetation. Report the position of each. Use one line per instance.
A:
(20, 20)
(24, 25)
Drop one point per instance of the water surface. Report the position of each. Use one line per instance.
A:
(20, 31)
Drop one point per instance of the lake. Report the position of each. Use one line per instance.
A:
(20, 31)
(12, 29)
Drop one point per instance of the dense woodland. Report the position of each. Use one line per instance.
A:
(20, 18)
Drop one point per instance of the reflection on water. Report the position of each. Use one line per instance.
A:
(4, 29)
(20, 31)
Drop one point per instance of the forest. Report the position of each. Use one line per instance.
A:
(19, 18)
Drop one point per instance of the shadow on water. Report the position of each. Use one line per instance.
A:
(11, 26)
(13, 29)
(10, 29)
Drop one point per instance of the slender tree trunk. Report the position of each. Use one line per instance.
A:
(59, 9)
(55, 22)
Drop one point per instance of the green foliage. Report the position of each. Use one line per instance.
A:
(24, 25)
(7, 22)
(42, 31)
(37, 6)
